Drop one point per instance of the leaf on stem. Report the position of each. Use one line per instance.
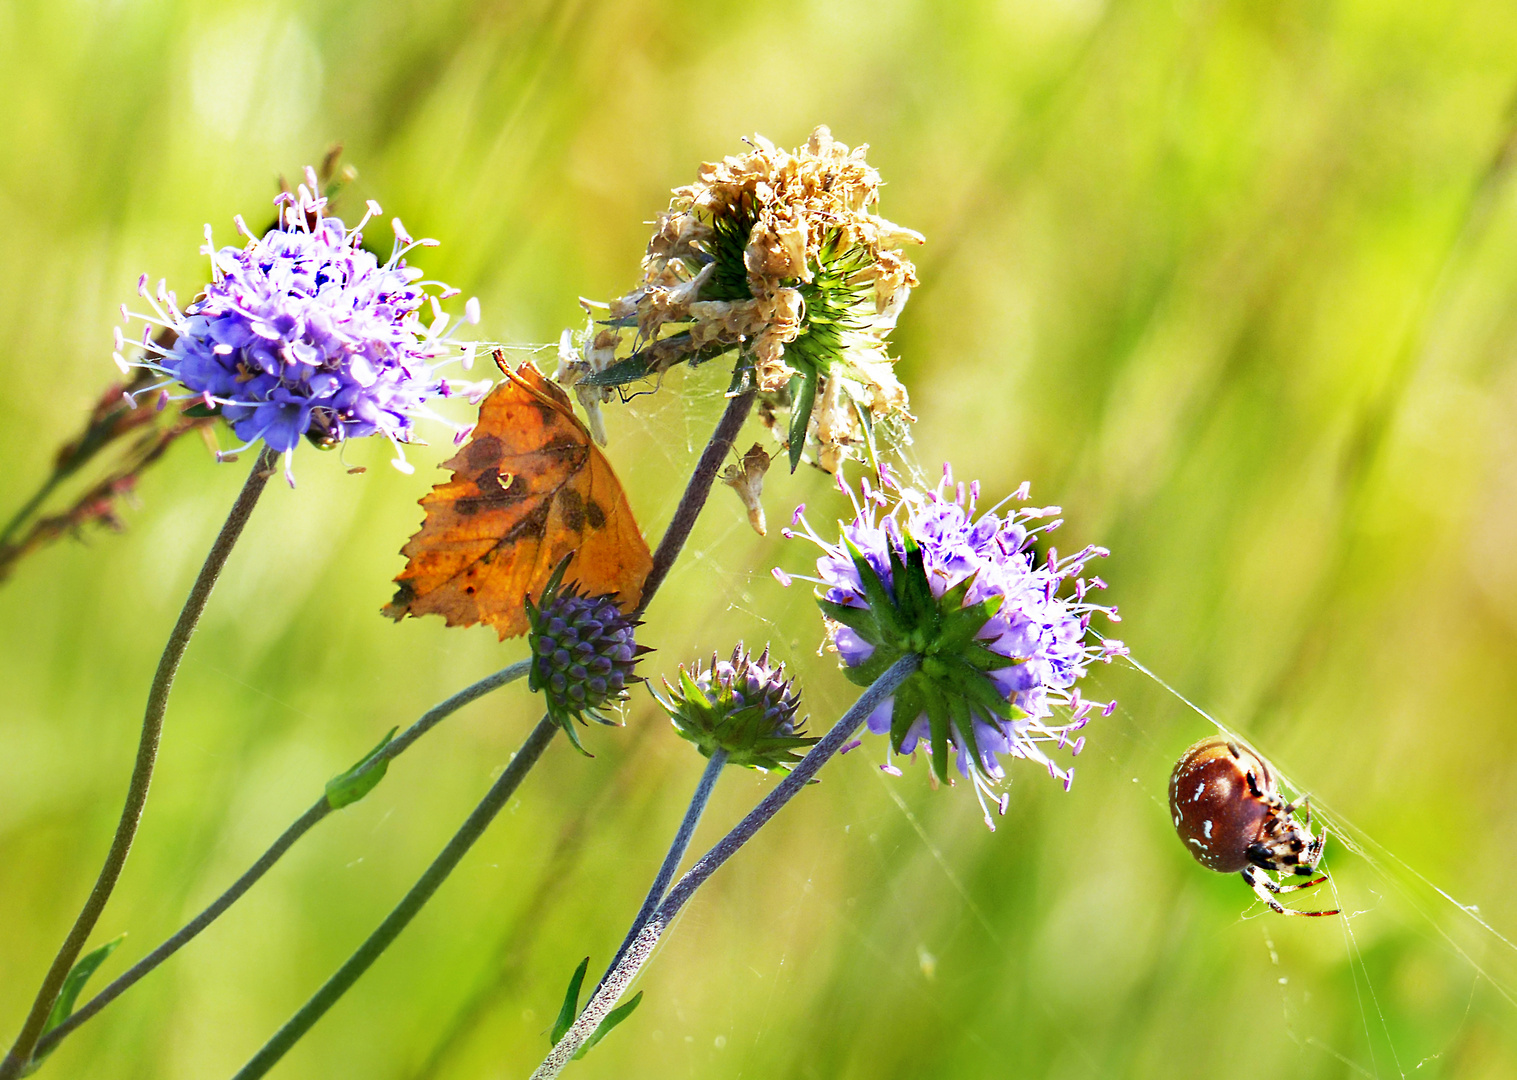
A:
(570, 1007)
(73, 985)
(347, 788)
(570, 1010)
(529, 488)
(614, 1017)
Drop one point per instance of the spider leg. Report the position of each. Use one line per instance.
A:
(1276, 888)
(1265, 889)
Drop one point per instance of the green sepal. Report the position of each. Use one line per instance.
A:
(880, 599)
(918, 607)
(566, 721)
(977, 686)
(802, 400)
(958, 712)
(348, 787)
(712, 723)
(614, 1017)
(871, 669)
(859, 620)
(938, 721)
(570, 1008)
(68, 994)
(908, 706)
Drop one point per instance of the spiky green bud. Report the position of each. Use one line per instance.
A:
(743, 706)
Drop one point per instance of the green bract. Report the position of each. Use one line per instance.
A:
(902, 616)
(743, 707)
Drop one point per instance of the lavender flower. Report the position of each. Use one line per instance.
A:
(744, 706)
(1003, 639)
(303, 333)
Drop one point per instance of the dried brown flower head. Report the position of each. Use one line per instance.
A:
(779, 255)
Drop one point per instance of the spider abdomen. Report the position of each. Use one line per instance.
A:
(1217, 800)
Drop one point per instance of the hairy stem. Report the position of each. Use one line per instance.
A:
(696, 492)
(671, 863)
(635, 956)
(142, 771)
(302, 825)
(406, 910)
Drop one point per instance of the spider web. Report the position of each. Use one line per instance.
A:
(1381, 893)
(1374, 887)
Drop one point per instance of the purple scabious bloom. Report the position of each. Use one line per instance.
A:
(301, 333)
(1005, 638)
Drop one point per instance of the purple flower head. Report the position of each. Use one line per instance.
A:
(744, 707)
(584, 653)
(302, 333)
(1007, 639)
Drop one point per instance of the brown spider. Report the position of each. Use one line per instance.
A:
(1231, 817)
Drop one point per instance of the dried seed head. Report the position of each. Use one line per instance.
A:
(778, 254)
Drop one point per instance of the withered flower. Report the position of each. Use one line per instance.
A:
(779, 255)
(747, 479)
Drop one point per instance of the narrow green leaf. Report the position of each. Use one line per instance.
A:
(614, 1017)
(977, 686)
(570, 1008)
(953, 599)
(910, 614)
(74, 982)
(802, 398)
(347, 788)
(871, 669)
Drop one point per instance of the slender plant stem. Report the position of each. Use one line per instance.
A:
(38, 498)
(677, 851)
(618, 979)
(302, 825)
(142, 771)
(473, 827)
(696, 492)
(694, 499)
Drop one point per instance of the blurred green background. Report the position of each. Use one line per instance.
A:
(1233, 282)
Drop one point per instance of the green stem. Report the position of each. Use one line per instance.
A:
(617, 981)
(406, 910)
(142, 771)
(29, 507)
(670, 545)
(302, 825)
(696, 493)
(671, 863)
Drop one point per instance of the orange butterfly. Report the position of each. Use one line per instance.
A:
(528, 488)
